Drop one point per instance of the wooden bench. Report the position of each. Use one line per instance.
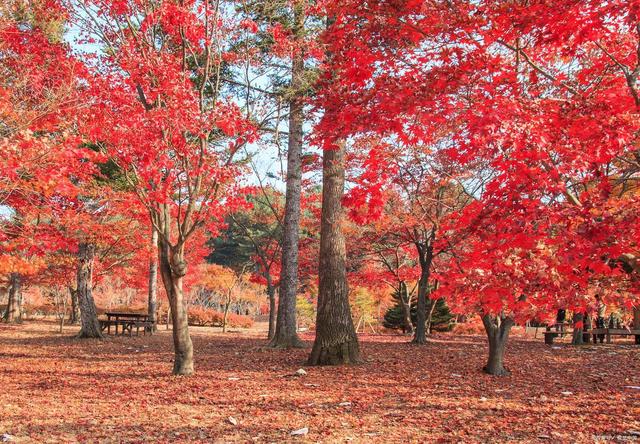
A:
(126, 325)
(550, 335)
(608, 332)
(104, 324)
(147, 326)
(558, 329)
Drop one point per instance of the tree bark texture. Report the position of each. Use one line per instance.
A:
(405, 302)
(173, 267)
(4, 297)
(578, 329)
(497, 328)
(432, 308)
(286, 335)
(271, 291)
(152, 308)
(13, 313)
(89, 325)
(74, 316)
(336, 341)
(425, 256)
(226, 312)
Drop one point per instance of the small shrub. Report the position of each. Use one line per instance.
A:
(239, 321)
(36, 310)
(473, 326)
(208, 317)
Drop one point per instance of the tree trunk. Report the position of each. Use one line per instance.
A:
(336, 341)
(497, 328)
(425, 256)
(636, 322)
(286, 335)
(588, 326)
(173, 269)
(61, 305)
(20, 300)
(226, 312)
(432, 308)
(13, 312)
(152, 309)
(89, 325)
(271, 291)
(420, 336)
(405, 302)
(74, 316)
(578, 328)
(4, 296)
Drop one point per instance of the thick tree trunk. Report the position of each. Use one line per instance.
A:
(152, 308)
(271, 291)
(336, 341)
(578, 329)
(405, 302)
(497, 328)
(89, 325)
(286, 334)
(420, 336)
(74, 316)
(173, 269)
(636, 322)
(425, 256)
(13, 312)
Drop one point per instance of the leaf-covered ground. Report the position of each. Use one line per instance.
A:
(55, 388)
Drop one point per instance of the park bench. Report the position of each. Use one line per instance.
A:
(558, 329)
(550, 335)
(147, 326)
(608, 332)
(127, 322)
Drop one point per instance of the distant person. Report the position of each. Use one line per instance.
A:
(601, 311)
(561, 316)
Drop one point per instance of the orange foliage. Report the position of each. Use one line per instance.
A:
(208, 317)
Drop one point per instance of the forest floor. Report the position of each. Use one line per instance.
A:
(55, 388)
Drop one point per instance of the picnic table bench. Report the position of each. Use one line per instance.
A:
(127, 321)
(555, 330)
(608, 332)
(550, 334)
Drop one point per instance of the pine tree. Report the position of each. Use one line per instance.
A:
(440, 317)
(394, 317)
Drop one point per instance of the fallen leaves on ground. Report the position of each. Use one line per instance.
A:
(58, 388)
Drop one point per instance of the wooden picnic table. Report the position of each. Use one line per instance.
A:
(117, 315)
(126, 320)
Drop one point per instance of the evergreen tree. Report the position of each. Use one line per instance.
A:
(440, 317)
(394, 317)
